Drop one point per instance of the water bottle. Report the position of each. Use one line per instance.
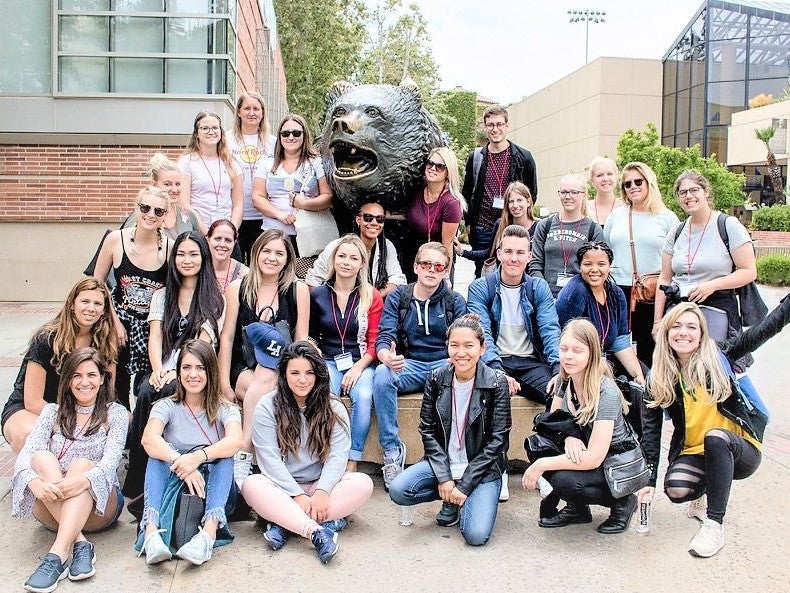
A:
(544, 487)
(643, 523)
(405, 518)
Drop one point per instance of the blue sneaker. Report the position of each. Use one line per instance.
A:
(48, 574)
(276, 536)
(336, 525)
(325, 542)
(83, 559)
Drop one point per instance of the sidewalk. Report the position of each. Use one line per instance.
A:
(377, 554)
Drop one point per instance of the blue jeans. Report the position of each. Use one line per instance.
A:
(418, 484)
(386, 385)
(361, 404)
(219, 480)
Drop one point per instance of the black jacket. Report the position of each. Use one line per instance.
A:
(487, 431)
(522, 168)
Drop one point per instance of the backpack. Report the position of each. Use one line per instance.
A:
(406, 294)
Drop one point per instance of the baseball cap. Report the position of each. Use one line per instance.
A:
(267, 343)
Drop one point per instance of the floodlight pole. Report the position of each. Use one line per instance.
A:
(587, 15)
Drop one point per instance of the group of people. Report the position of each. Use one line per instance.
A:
(235, 364)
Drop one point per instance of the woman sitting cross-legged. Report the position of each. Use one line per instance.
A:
(66, 472)
(589, 394)
(190, 439)
(465, 425)
(302, 439)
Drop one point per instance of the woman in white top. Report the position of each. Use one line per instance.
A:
(250, 144)
(213, 181)
(294, 179)
(603, 176)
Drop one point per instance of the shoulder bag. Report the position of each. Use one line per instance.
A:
(643, 289)
(626, 471)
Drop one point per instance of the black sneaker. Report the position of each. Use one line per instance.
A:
(448, 515)
(48, 574)
(83, 559)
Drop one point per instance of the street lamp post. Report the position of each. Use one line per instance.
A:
(586, 16)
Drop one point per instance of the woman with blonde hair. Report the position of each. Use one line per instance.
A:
(636, 233)
(436, 210)
(714, 440)
(344, 321)
(589, 394)
(603, 176)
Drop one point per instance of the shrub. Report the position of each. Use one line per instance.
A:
(775, 218)
(774, 270)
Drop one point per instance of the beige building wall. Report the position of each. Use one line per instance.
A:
(583, 115)
(743, 148)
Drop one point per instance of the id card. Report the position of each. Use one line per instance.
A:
(498, 203)
(344, 361)
(563, 279)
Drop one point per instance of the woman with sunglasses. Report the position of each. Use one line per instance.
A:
(221, 237)
(695, 257)
(603, 176)
(137, 257)
(645, 218)
(212, 182)
(558, 238)
(344, 321)
(188, 307)
(293, 179)
(383, 268)
(436, 210)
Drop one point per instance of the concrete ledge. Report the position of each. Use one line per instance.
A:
(522, 410)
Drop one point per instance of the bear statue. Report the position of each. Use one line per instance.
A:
(375, 142)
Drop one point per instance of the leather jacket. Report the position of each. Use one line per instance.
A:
(487, 430)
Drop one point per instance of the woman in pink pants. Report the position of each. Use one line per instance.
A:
(302, 439)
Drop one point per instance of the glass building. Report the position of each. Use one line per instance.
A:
(729, 53)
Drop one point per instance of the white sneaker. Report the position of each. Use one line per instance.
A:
(392, 468)
(198, 549)
(155, 549)
(698, 509)
(709, 539)
(504, 493)
(242, 467)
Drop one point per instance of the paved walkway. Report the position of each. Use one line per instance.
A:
(377, 554)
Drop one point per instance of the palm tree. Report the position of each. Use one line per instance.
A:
(764, 135)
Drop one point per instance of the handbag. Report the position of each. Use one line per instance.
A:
(247, 349)
(626, 471)
(189, 512)
(314, 231)
(752, 307)
(644, 286)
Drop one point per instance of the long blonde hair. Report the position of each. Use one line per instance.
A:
(287, 276)
(654, 202)
(704, 366)
(589, 395)
(365, 288)
(453, 183)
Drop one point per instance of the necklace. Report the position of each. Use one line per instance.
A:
(598, 218)
(84, 409)
(224, 284)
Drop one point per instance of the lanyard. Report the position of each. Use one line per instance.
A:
(567, 256)
(431, 220)
(689, 257)
(217, 187)
(80, 430)
(460, 431)
(348, 319)
(500, 175)
(200, 426)
(605, 332)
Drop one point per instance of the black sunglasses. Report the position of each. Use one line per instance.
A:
(294, 133)
(146, 208)
(630, 182)
(438, 166)
(379, 218)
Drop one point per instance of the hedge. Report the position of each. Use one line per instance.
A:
(775, 218)
(774, 270)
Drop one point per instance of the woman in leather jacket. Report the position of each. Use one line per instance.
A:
(465, 425)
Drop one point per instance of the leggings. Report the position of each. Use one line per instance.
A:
(274, 504)
(727, 457)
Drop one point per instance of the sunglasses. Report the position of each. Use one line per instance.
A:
(440, 167)
(630, 182)
(428, 265)
(379, 218)
(146, 208)
(287, 133)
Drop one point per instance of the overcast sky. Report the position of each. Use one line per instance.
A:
(509, 49)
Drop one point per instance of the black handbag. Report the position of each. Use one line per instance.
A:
(626, 471)
(752, 307)
(189, 512)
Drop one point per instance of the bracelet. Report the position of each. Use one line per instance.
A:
(174, 455)
(204, 453)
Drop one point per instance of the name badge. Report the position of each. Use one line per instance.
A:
(563, 279)
(499, 202)
(343, 361)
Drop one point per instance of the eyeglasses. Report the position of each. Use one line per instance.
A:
(440, 167)
(206, 129)
(630, 182)
(693, 191)
(499, 125)
(428, 265)
(287, 133)
(146, 208)
(379, 218)
(574, 193)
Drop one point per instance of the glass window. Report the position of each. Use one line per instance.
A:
(727, 60)
(695, 137)
(683, 107)
(726, 24)
(138, 75)
(84, 34)
(697, 107)
(768, 48)
(25, 47)
(138, 34)
(668, 116)
(724, 99)
(188, 76)
(684, 74)
(84, 5)
(139, 5)
(189, 36)
(681, 140)
(698, 66)
(670, 73)
(769, 86)
(84, 75)
(196, 6)
(717, 142)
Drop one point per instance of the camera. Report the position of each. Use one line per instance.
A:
(673, 294)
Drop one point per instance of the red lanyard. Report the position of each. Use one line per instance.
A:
(200, 426)
(500, 175)
(689, 257)
(567, 256)
(217, 187)
(65, 448)
(431, 220)
(348, 319)
(462, 430)
(600, 319)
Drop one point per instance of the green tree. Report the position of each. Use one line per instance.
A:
(458, 116)
(321, 43)
(669, 162)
